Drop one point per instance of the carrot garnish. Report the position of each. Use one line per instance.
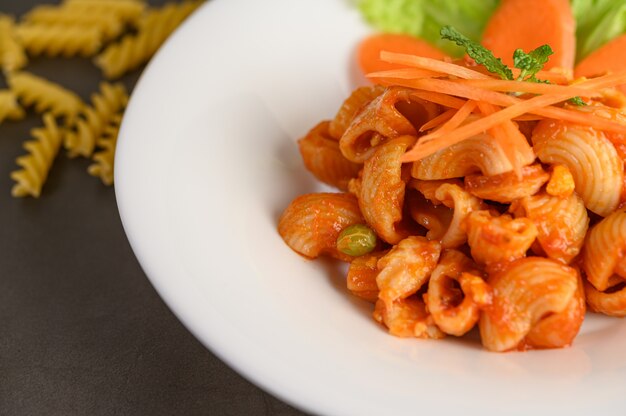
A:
(438, 121)
(430, 64)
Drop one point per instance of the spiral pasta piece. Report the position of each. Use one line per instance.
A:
(507, 187)
(495, 241)
(12, 55)
(134, 50)
(605, 250)
(45, 95)
(36, 164)
(391, 114)
(9, 108)
(597, 170)
(402, 272)
(456, 293)
(382, 189)
(106, 106)
(362, 273)
(110, 25)
(350, 108)
(104, 160)
(322, 157)
(524, 293)
(129, 11)
(311, 223)
(561, 223)
(462, 204)
(478, 154)
(60, 40)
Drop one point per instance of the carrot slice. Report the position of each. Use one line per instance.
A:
(430, 64)
(370, 48)
(609, 57)
(527, 24)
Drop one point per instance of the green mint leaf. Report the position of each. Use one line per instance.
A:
(477, 52)
(577, 101)
(532, 62)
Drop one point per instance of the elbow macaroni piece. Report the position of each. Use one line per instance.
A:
(36, 164)
(9, 108)
(507, 187)
(106, 107)
(480, 153)
(134, 50)
(12, 55)
(561, 223)
(402, 272)
(435, 219)
(604, 252)
(524, 293)
(110, 25)
(495, 241)
(39, 39)
(351, 107)
(322, 157)
(462, 204)
(597, 170)
(45, 95)
(559, 329)
(311, 223)
(382, 190)
(382, 119)
(456, 293)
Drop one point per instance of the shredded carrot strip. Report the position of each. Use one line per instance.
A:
(461, 115)
(405, 73)
(431, 65)
(427, 146)
(438, 98)
(439, 120)
(530, 87)
(505, 100)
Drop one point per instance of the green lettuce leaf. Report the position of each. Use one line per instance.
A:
(425, 18)
(597, 22)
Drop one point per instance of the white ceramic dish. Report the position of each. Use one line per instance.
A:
(206, 163)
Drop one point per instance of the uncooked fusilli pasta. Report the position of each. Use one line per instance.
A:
(12, 55)
(9, 108)
(104, 160)
(45, 95)
(134, 50)
(109, 24)
(36, 164)
(42, 39)
(106, 105)
(129, 11)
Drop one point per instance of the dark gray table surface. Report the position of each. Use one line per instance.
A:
(82, 331)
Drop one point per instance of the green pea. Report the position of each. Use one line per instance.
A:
(356, 240)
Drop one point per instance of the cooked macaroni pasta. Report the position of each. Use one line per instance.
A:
(508, 221)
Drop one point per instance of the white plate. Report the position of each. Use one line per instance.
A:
(206, 163)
